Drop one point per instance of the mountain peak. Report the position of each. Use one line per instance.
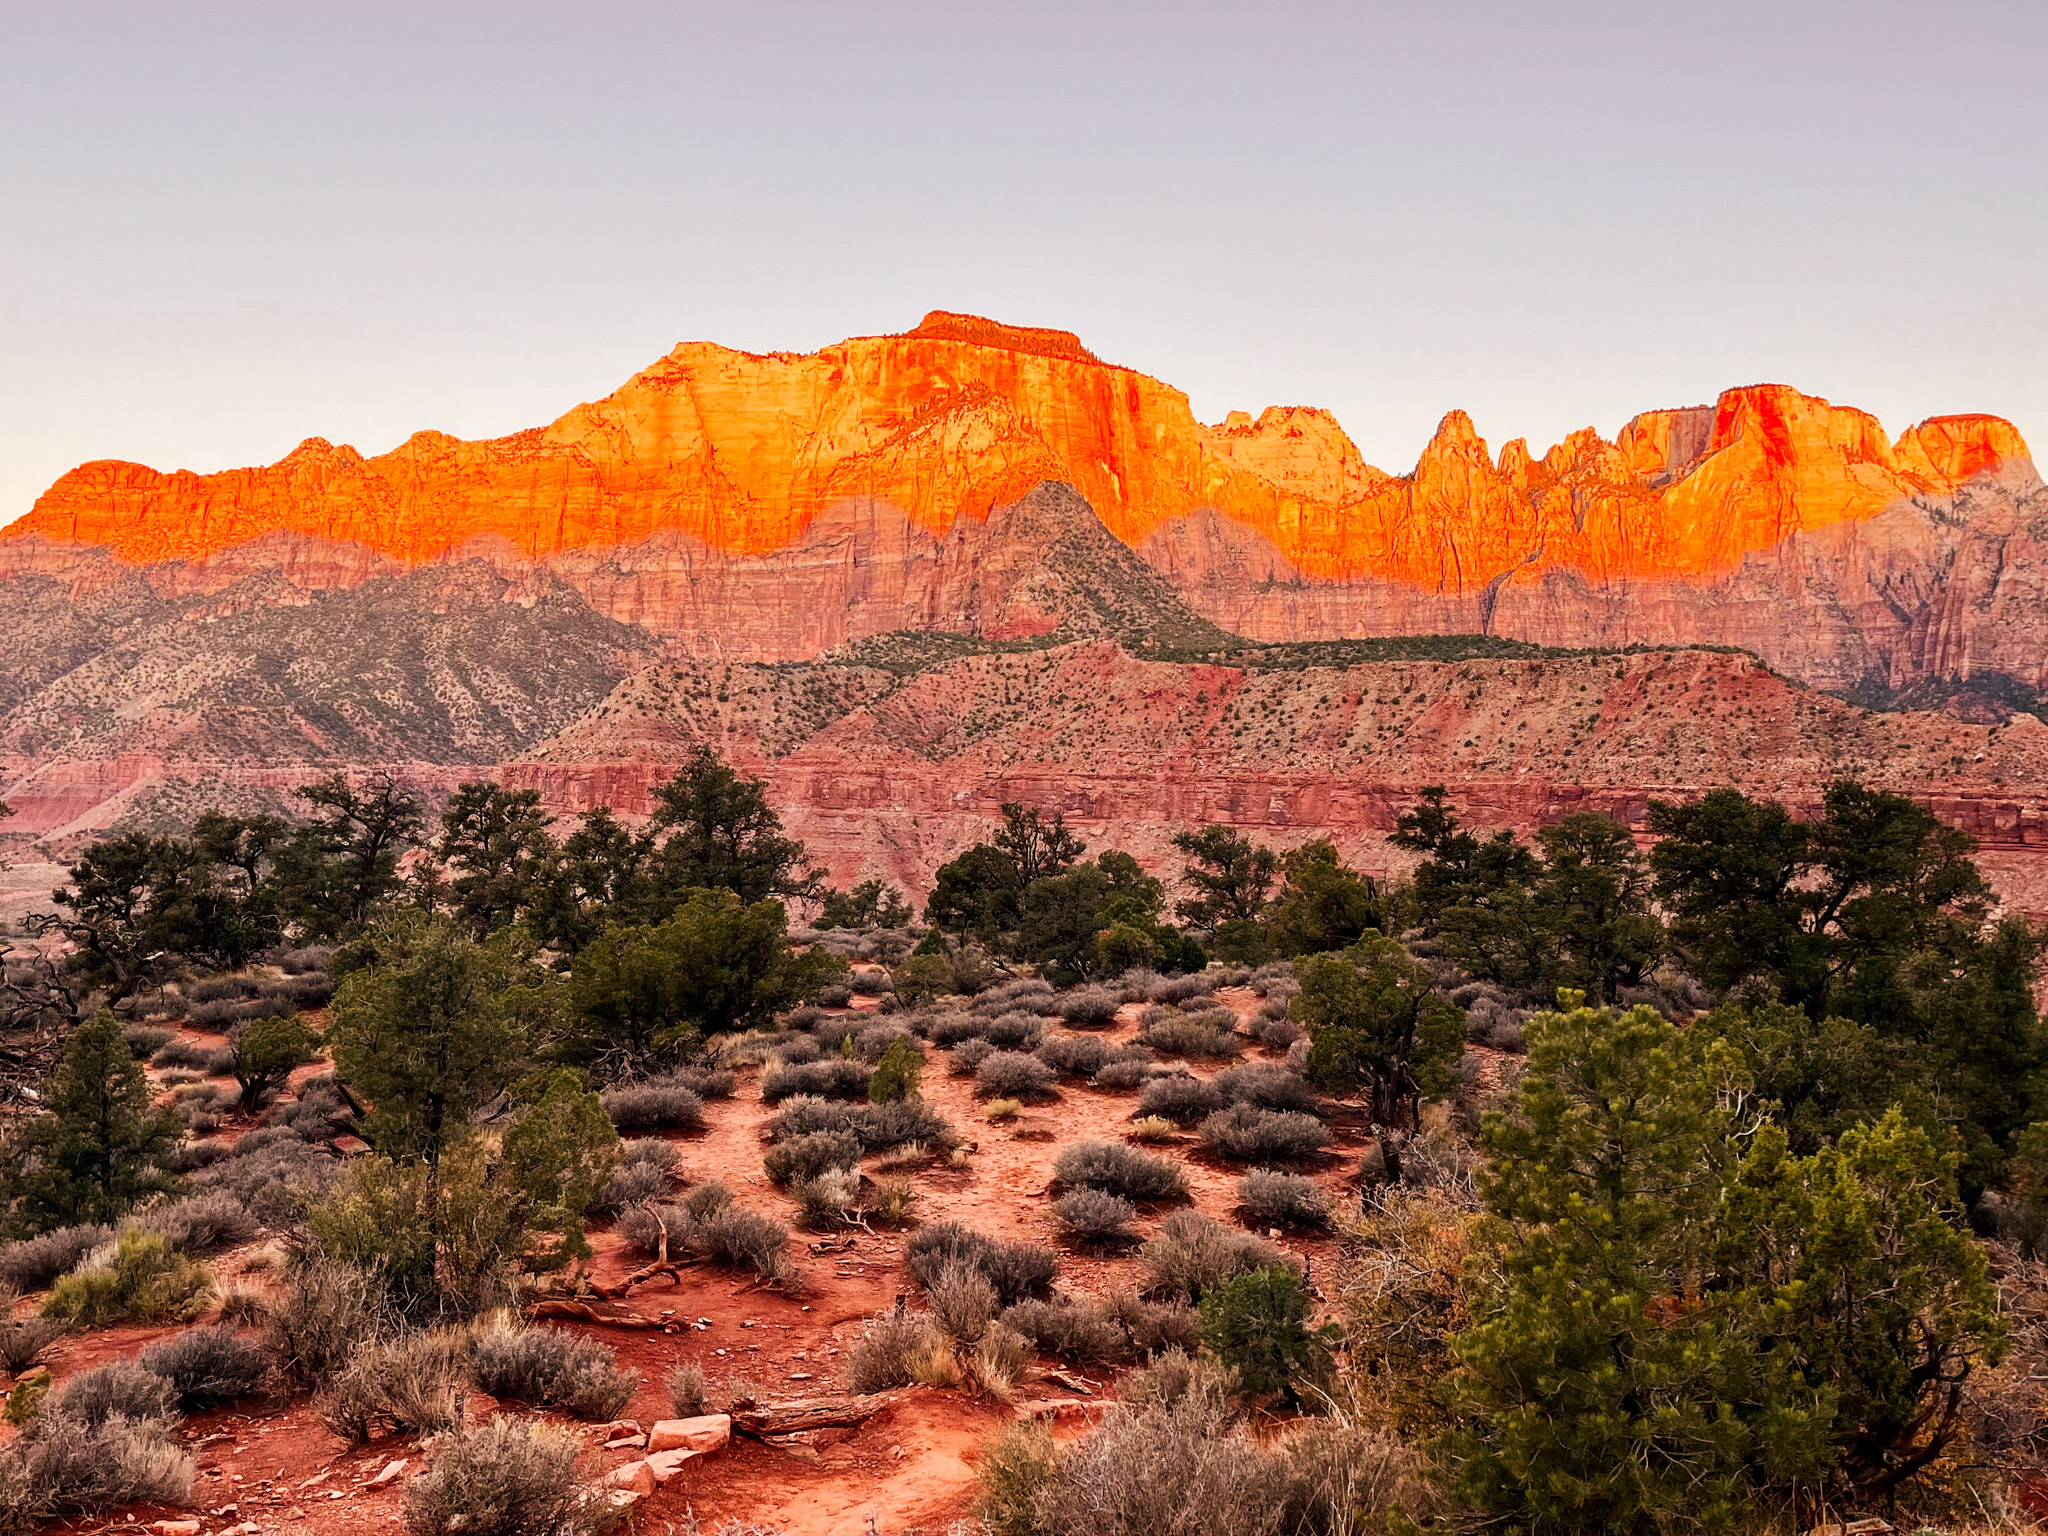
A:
(976, 330)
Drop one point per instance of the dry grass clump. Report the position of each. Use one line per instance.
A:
(1181, 1098)
(62, 1467)
(508, 1477)
(1016, 1270)
(142, 1277)
(324, 1315)
(1120, 1170)
(1266, 1085)
(1004, 1109)
(651, 1106)
(1288, 1200)
(552, 1369)
(200, 1223)
(689, 1394)
(1095, 1217)
(408, 1385)
(1014, 1075)
(961, 1300)
(890, 1350)
(207, 1366)
(1249, 1135)
(999, 1360)
(1154, 1129)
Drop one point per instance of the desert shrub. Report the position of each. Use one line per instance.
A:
(145, 1040)
(836, 995)
(1180, 1098)
(689, 1394)
(1094, 1216)
(1266, 1085)
(1120, 1170)
(954, 1028)
(274, 1181)
(33, 1262)
(705, 1082)
(965, 1059)
(1280, 1033)
(894, 1201)
(882, 1357)
(1079, 1056)
(880, 1126)
(1249, 1135)
(1016, 1031)
(1192, 1253)
(805, 1157)
(872, 1043)
(1004, 1109)
(212, 1060)
(119, 1389)
(213, 1014)
(552, 1369)
(833, 1077)
(1256, 1326)
(1122, 1075)
(871, 983)
(1155, 1327)
(325, 1313)
(1025, 992)
(646, 1106)
(999, 1360)
(1016, 1270)
(1184, 1037)
(189, 1156)
(643, 1227)
(1154, 1129)
(1014, 1075)
(408, 1385)
(744, 1239)
(1506, 1036)
(143, 1278)
(1270, 1199)
(23, 1338)
(1082, 1332)
(790, 1049)
(1178, 990)
(62, 1468)
(208, 1365)
(230, 989)
(1090, 1007)
(961, 1300)
(263, 1053)
(827, 1199)
(508, 1477)
(300, 962)
(201, 1222)
(319, 1112)
(635, 1183)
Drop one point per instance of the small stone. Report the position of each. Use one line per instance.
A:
(630, 1443)
(701, 1435)
(390, 1474)
(799, 1375)
(176, 1528)
(634, 1477)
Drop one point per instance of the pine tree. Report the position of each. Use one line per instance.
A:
(95, 1151)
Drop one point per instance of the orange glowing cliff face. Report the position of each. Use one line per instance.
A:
(743, 450)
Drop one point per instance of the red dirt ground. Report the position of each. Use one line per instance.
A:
(910, 1468)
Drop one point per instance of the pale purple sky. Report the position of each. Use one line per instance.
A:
(231, 226)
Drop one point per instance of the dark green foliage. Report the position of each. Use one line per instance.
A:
(1377, 1026)
(718, 834)
(265, 1052)
(342, 871)
(96, 1150)
(1323, 904)
(495, 844)
(897, 1073)
(557, 1158)
(638, 994)
(430, 1024)
(870, 904)
(1228, 874)
(1256, 1324)
(1120, 1170)
(982, 890)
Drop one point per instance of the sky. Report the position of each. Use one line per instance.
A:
(228, 227)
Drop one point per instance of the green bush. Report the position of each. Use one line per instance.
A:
(1256, 1324)
(145, 1279)
(896, 1074)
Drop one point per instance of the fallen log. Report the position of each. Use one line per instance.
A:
(836, 1412)
(584, 1311)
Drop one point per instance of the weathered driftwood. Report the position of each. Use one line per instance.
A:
(583, 1311)
(661, 1265)
(834, 1412)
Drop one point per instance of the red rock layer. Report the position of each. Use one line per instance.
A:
(742, 451)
